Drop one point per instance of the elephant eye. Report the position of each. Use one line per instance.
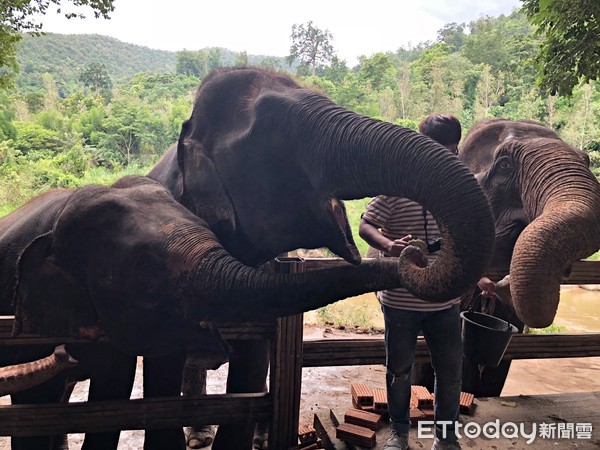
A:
(504, 164)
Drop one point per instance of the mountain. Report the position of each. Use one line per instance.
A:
(63, 56)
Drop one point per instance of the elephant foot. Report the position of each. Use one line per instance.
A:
(200, 437)
(261, 437)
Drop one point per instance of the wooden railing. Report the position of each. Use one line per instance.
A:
(281, 405)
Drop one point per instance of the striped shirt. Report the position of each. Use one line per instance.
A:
(397, 217)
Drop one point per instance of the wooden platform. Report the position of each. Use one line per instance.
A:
(562, 414)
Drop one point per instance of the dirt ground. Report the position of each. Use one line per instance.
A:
(327, 388)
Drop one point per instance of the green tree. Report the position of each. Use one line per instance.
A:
(215, 56)
(7, 115)
(270, 62)
(570, 51)
(485, 44)
(489, 90)
(584, 125)
(96, 77)
(241, 59)
(311, 46)
(17, 16)
(191, 64)
(36, 141)
(337, 71)
(378, 70)
(453, 34)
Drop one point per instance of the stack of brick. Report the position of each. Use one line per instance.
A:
(359, 427)
(421, 401)
(421, 404)
(307, 436)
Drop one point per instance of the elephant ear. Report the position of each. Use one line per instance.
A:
(203, 193)
(48, 300)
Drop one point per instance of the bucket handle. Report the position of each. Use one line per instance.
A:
(476, 303)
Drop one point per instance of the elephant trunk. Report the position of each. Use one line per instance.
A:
(20, 377)
(565, 228)
(371, 157)
(216, 286)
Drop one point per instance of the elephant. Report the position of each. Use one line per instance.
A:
(302, 155)
(261, 167)
(546, 206)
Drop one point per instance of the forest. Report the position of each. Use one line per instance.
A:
(89, 109)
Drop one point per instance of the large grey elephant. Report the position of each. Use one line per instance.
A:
(262, 167)
(300, 154)
(546, 205)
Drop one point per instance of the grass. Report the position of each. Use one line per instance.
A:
(553, 328)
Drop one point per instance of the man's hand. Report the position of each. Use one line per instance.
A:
(395, 247)
(487, 286)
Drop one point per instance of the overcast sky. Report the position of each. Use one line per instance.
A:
(263, 27)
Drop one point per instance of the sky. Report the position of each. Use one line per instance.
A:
(263, 27)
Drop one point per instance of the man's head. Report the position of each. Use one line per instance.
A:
(443, 128)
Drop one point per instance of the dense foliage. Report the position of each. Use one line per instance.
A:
(570, 51)
(311, 46)
(90, 108)
(17, 16)
(65, 57)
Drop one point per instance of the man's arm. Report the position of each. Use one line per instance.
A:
(372, 236)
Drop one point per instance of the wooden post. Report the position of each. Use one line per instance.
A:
(286, 370)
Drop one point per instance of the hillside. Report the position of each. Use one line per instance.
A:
(64, 56)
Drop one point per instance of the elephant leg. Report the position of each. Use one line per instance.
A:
(487, 382)
(194, 383)
(248, 367)
(53, 391)
(162, 378)
(113, 381)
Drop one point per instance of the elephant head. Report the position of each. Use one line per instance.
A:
(267, 164)
(546, 204)
(131, 264)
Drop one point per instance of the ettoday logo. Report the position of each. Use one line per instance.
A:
(508, 430)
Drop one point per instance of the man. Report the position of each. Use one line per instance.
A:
(388, 224)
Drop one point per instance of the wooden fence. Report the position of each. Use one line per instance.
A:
(281, 405)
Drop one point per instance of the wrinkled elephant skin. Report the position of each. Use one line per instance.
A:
(546, 204)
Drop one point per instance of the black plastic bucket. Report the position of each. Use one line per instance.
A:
(485, 338)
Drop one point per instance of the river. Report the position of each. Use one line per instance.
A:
(578, 311)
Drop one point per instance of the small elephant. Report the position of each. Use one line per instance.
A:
(129, 265)
(546, 205)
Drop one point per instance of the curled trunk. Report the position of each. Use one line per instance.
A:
(563, 199)
(373, 158)
(20, 377)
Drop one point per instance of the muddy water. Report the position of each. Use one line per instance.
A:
(578, 311)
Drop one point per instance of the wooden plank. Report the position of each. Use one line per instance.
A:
(84, 417)
(286, 370)
(229, 331)
(342, 352)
